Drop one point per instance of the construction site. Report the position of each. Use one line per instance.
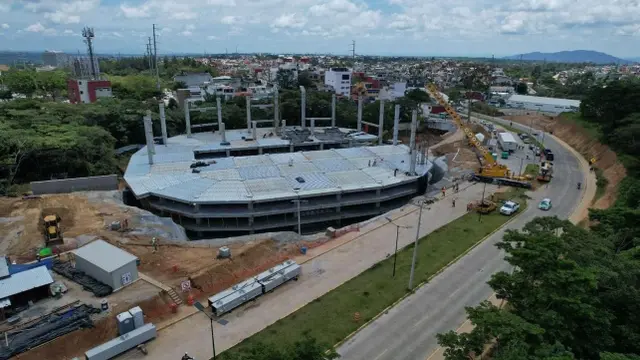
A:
(204, 211)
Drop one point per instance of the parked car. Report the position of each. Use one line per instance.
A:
(545, 204)
(550, 156)
(509, 208)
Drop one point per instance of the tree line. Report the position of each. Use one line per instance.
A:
(573, 293)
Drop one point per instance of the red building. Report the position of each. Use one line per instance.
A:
(87, 91)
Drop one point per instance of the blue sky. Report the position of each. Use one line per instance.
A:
(398, 27)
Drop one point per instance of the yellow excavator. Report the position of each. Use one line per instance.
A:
(490, 170)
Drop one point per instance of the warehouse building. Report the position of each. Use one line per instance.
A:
(542, 104)
(107, 263)
(20, 288)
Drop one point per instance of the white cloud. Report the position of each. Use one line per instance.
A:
(60, 17)
(291, 20)
(186, 33)
(5, 26)
(37, 27)
(229, 20)
(212, 37)
(133, 12)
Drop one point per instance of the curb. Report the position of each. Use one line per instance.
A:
(417, 287)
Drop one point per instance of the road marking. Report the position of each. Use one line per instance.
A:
(382, 353)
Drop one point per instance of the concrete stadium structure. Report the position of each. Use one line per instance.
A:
(235, 182)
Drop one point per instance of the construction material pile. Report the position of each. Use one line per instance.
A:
(88, 283)
(47, 329)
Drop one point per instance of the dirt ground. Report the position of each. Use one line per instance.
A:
(422, 137)
(465, 159)
(581, 140)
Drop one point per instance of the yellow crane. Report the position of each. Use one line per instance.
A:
(490, 170)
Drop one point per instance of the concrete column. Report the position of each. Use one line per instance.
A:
(333, 110)
(313, 125)
(414, 125)
(276, 108)
(223, 132)
(187, 118)
(381, 122)
(255, 131)
(360, 112)
(248, 113)
(396, 124)
(163, 123)
(147, 124)
(303, 105)
(412, 142)
(284, 124)
(153, 145)
(219, 108)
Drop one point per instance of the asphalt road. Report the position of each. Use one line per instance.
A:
(408, 331)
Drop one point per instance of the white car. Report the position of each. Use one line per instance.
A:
(509, 208)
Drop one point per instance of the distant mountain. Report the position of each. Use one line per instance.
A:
(575, 56)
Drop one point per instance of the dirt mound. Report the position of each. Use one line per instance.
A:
(583, 142)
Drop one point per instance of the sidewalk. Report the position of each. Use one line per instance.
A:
(323, 269)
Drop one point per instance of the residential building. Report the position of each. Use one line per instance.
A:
(543, 104)
(55, 58)
(87, 91)
(339, 79)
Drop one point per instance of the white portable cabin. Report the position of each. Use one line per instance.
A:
(278, 275)
(235, 296)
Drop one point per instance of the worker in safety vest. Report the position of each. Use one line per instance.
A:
(154, 243)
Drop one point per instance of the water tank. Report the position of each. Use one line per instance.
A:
(125, 323)
(138, 316)
(224, 252)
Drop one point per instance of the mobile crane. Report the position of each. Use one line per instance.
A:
(491, 171)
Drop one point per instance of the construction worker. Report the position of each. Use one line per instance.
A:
(186, 356)
(154, 243)
(444, 191)
(453, 202)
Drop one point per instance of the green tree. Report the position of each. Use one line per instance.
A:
(522, 88)
(285, 79)
(52, 83)
(304, 79)
(20, 81)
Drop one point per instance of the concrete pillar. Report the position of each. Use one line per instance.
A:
(223, 132)
(146, 120)
(412, 142)
(303, 105)
(219, 108)
(381, 122)
(313, 125)
(284, 124)
(359, 113)
(163, 123)
(396, 124)
(333, 110)
(276, 108)
(187, 117)
(255, 131)
(153, 145)
(248, 113)
(414, 125)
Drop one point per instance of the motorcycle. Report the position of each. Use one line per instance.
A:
(579, 186)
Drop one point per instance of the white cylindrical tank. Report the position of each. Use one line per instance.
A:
(480, 137)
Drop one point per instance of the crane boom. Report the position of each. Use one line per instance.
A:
(467, 131)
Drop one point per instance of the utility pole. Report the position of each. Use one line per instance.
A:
(150, 51)
(415, 246)
(155, 57)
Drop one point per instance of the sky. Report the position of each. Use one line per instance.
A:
(379, 27)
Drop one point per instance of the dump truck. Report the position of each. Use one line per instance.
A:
(51, 228)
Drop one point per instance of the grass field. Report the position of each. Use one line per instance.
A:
(532, 169)
(330, 318)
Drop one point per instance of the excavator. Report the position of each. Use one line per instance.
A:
(51, 229)
(490, 171)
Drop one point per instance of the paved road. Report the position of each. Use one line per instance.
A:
(408, 331)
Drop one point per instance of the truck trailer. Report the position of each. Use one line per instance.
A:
(507, 141)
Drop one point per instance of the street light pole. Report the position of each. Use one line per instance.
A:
(200, 308)
(415, 249)
(395, 251)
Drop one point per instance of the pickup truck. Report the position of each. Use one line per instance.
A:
(509, 208)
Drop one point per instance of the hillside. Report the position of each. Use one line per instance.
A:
(575, 56)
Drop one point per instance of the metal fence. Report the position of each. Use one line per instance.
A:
(61, 186)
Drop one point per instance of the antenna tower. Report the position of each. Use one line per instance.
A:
(150, 52)
(88, 35)
(353, 49)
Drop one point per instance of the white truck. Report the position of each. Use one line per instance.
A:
(507, 141)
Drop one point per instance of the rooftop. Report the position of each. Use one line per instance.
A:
(276, 176)
(104, 255)
(24, 281)
(544, 100)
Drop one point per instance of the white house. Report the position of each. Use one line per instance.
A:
(339, 79)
